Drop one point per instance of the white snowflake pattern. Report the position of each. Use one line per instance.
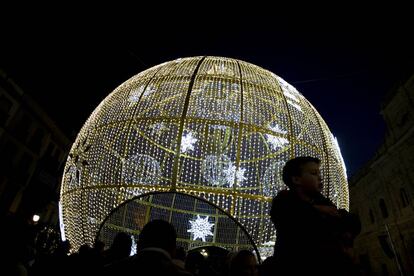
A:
(220, 127)
(200, 228)
(158, 128)
(278, 129)
(231, 173)
(291, 96)
(74, 175)
(220, 69)
(149, 90)
(290, 93)
(288, 90)
(135, 94)
(276, 142)
(187, 142)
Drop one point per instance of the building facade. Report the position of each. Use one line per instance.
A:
(382, 192)
(33, 151)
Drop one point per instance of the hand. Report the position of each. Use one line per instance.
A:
(327, 210)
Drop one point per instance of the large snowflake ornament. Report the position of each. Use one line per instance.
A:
(200, 228)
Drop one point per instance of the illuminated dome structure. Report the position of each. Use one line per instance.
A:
(198, 222)
(213, 128)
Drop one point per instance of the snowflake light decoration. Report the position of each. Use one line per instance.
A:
(149, 90)
(73, 174)
(200, 228)
(135, 94)
(231, 173)
(278, 129)
(78, 161)
(187, 142)
(276, 142)
(158, 128)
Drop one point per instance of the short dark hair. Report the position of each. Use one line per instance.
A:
(158, 233)
(294, 167)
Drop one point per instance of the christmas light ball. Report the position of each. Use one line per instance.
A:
(215, 128)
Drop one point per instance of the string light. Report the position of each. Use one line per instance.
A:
(216, 128)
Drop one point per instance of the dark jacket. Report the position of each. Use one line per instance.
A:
(149, 261)
(308, 241)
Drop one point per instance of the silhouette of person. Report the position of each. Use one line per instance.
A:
(313, 236)
(156, 247)
(180, 255)
(120, 248)
(243, 263)
(195, 262)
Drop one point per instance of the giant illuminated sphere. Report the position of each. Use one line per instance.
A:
(215, 128)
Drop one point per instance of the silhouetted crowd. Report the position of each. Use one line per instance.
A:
(157, 254)
(313, 238)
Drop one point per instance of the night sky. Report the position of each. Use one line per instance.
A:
(342, 62)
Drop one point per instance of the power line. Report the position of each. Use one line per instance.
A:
(137, 58)
(330, 78)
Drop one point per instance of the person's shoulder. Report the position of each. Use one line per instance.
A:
(283, 198)
(320, 199)
(283, 194)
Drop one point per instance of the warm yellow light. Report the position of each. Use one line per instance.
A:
(204, 253)
(216, 128)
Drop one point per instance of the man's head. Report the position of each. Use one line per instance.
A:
(158, 233)
(121, 245)
(243, 263)
(303, 173)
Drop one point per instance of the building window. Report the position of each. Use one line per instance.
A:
(383, 208)
(404, 197)
(371, 216)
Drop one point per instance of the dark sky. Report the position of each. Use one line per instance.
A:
(342, 61)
